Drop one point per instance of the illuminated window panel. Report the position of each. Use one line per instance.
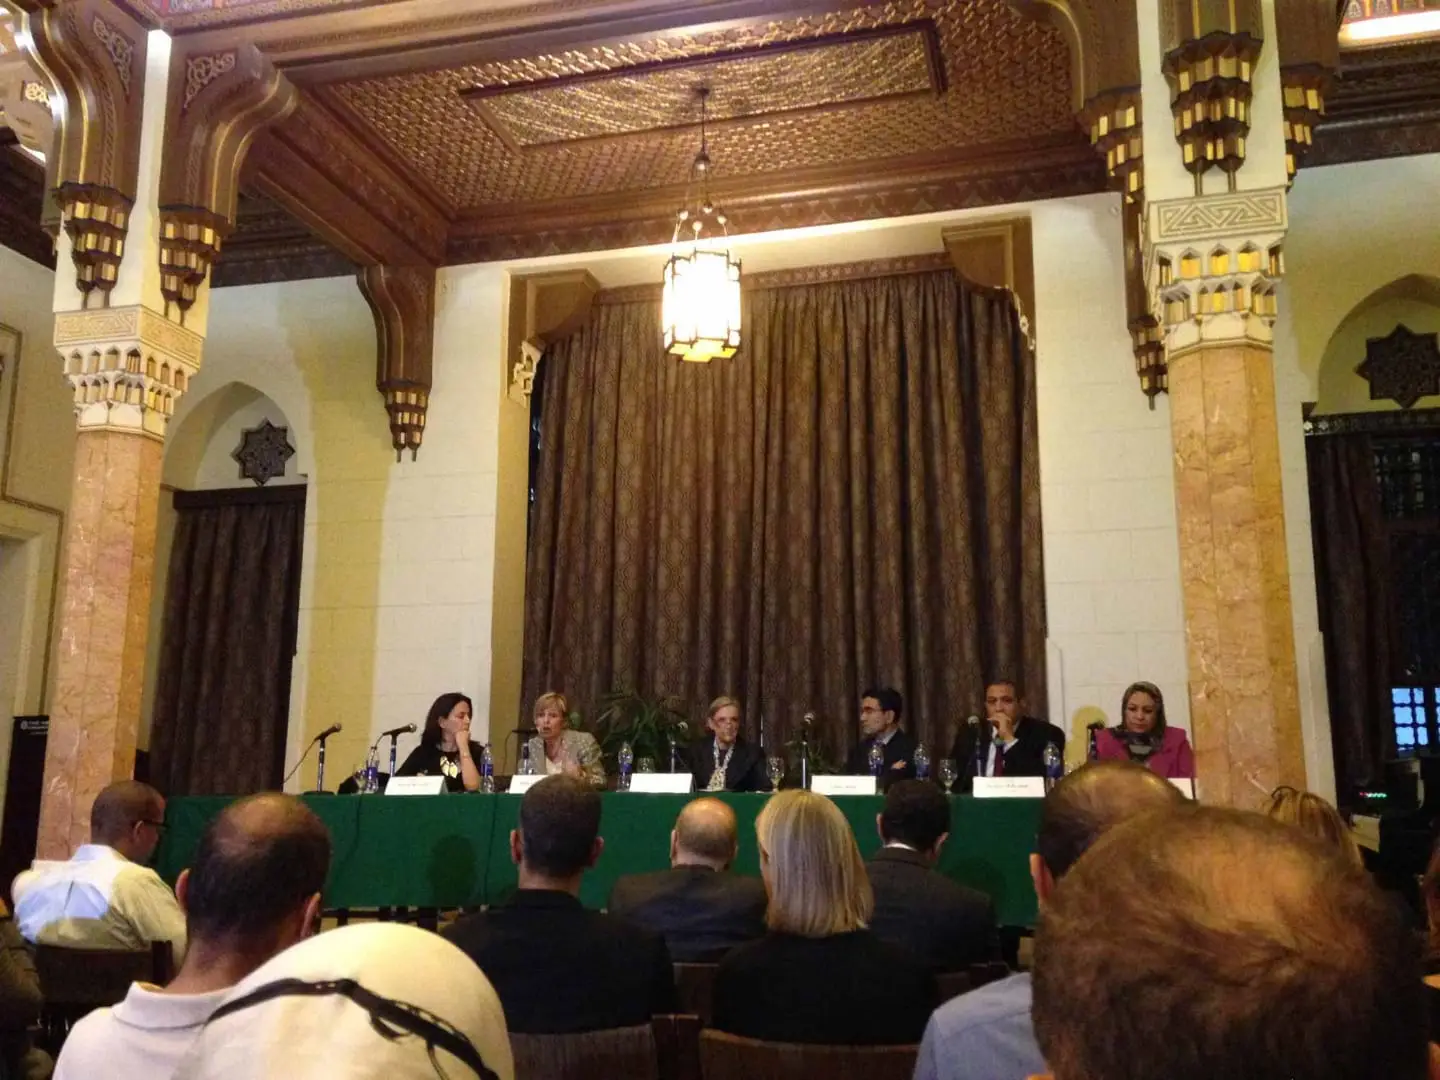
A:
(1378, 22)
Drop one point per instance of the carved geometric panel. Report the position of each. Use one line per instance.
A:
(822, 74)
(1006, 80)
(263, 452)
(1402, 366)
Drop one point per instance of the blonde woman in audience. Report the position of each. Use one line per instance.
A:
(557, 749)
(372, 1001)
(1312, 814)
(819, 975)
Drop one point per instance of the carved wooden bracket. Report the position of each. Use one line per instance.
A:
(543, 309)
(1309, 47)
(217, 103)
(402, 299)
(93, 55)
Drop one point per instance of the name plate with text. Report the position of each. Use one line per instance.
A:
(1009, 787)
(843, 785)
(415, 785)
(661, 783)
(521, 783)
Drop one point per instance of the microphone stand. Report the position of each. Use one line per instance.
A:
(394, 738)
(805, 755)
(320, 762)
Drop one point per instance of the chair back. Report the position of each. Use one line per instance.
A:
(677, 1046)
(588, 1055)
(695, 983)
(988, 971)
(951, 984)
(730, 1057)
(75, 982)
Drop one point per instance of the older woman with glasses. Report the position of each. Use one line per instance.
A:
(725, 761)
(819, 975)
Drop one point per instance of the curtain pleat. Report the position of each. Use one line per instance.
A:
(852, 499)
(222, 697)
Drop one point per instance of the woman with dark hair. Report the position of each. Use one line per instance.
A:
(445, 747)
(1143, 736)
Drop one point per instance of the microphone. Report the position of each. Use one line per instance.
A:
(333, 729)
(808, 719)
(403, 729)
(1095, 725)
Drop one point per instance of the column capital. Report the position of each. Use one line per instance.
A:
(1212, 264)
(127, 366)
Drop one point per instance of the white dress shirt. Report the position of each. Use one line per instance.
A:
(990, 754)
(97, 900)
(145, 1035)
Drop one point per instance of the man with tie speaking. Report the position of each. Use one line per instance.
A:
(1007, 743)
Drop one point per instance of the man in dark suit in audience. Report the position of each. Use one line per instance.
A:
(556, 966)
(942, 922)
(1006, 743)
(880, 710)
(702, 910)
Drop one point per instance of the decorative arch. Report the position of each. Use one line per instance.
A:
(1392, 303)
(193, 432)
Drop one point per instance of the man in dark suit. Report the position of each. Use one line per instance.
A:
(880, 710)
(556, 966)
(942, 922)
(703, 910)
(1008, 743)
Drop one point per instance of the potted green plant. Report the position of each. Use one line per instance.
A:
(648, 724)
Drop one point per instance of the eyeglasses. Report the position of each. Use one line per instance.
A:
(160, 826)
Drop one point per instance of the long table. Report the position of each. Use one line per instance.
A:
(450, 851)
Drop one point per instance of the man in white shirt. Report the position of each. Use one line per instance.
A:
(254, 891)
(104, 897)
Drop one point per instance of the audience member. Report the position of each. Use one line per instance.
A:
(556, 966)
(1008, 743)
(1207, 942)
(373, 1001)
(880, 711)
(1430, 891)
(819, 976)
(987, 1034)
(253, 891)
(1317, 817)
(945, 924)
(20, 1004)
(702, 910)
(103, 898)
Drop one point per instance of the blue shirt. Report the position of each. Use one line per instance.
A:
(983, 1035)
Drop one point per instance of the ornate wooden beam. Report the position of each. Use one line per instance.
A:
(402, 299)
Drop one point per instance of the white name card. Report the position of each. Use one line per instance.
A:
(415, 785)
(661, 783)
(1009, 787)
(843, 785)
(1185, 785)
(521, 783)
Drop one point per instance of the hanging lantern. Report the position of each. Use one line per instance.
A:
(700, 304)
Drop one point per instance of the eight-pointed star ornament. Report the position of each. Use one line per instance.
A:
(1401, 366)
(263, 451)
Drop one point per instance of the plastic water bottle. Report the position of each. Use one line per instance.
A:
(527, 767)
(877, 759)
(372, 772)
(922, 762)
(1054, 765)
(626, 760)
(487, 770)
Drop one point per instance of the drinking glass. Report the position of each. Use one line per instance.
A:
(922, 762)
(645, 764)
(947, 773)
(776, 768)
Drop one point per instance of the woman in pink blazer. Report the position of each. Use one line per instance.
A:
(1143, 736)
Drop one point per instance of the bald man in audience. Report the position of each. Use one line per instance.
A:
(104, 897)
(1206, 943)
(701, 908)
(253, 891)
(987, 1034)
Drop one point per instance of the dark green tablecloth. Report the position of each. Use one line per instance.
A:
(453, 850)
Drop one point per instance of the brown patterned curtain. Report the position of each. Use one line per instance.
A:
(222, 699)
(853, 498)
(1351, 551)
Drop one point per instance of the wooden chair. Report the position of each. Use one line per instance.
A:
(590, 1055)
(730, 1057)
(677, 1046)
(695, 983)
(951, 984)
(78, 981)
(988, 971)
